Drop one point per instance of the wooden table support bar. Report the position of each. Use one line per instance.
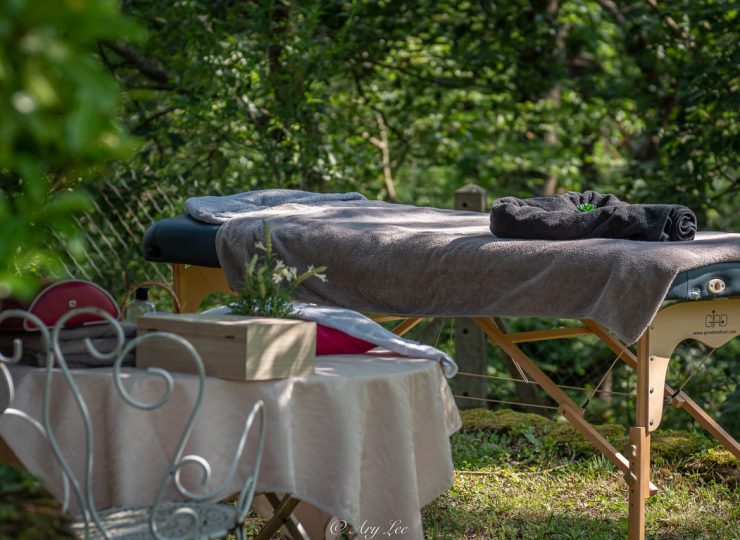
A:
(498, 337)
(681, 401)
(282, 515)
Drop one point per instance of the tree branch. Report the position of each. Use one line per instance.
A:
(672, 24)
(360, 92)
(385, 156)
(613, 10)
(149, 67)
(149, 119)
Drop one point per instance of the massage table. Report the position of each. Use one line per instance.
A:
(702, 303)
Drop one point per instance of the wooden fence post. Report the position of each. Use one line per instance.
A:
(471, 345)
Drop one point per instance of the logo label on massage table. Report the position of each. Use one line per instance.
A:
(716, 323)
(715, 320)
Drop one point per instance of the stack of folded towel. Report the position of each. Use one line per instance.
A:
(590, 215)
(72, 344)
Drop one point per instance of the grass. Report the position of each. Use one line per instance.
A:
(520, 476)
(523, 476)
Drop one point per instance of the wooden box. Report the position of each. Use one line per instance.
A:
(231, 346)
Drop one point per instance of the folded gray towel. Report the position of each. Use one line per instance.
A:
(590, 215)
(72, 344)
(220, 209)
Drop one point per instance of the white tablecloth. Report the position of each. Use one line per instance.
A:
(365, 439)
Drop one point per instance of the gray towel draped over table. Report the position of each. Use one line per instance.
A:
(407, 260)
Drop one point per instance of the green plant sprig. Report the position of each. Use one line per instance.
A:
(585, 207)
(269, 283)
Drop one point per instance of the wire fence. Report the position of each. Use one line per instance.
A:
(114, 229)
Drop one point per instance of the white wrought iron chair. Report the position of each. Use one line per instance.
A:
(201, 516)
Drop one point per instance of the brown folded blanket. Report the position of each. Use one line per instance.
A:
(72, 344)
(573, 215)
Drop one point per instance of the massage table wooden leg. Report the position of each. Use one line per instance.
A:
(638, 482)
(193, 283)
(678, 400)
(638, 478)
(637, 468)
(670, 327)
(406, 326)
(570, 410)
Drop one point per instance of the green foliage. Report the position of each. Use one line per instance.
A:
(716, 464)
(269, 283)
(415, 99)
(421, 97)
(27, 511)
(58, 119)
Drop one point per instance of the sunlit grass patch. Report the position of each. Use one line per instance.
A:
(519, 476)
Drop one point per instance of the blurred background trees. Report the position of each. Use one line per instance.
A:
(409, 100)
(59, 119)
(402, 100)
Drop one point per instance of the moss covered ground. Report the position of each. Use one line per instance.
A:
(523, 476)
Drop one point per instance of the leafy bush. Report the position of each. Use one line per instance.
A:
(27, 511)
(59, 111)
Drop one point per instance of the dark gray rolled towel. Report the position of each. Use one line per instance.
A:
(681, 224)
(590, 215)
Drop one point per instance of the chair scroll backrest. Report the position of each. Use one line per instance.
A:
(83, 487)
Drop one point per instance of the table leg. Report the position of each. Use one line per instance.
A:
(283, 509)
(193, 283)
(678, 400)
(639, 452)
(639, 481)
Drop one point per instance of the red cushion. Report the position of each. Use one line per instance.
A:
(63, 296)
(333, 341)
